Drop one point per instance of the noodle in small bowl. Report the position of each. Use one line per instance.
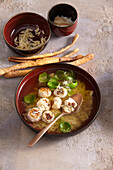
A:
(86, 85)
(63, 19)
(27, 33)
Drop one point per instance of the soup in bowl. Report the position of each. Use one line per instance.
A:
(45, 92)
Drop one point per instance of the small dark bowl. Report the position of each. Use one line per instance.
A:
(21, 22)
(28, 83)
(64, 10)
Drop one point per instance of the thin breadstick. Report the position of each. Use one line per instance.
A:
(83, 60)
(19, 73)
(78, 57)
(23, 61)
(76, 50)
(16, 60)
(48, 54)
(36, 63)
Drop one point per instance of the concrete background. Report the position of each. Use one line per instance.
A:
(89, 150)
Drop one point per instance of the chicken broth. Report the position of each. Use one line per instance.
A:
(75, 120)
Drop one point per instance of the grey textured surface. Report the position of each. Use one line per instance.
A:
(89, 150)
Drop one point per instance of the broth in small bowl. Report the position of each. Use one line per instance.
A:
(54, 76)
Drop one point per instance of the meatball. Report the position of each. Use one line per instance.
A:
(60, 92)
(44, 92)
(48, 116)
(56, 103)
(43, 104)
(69, 105)
(34, 114)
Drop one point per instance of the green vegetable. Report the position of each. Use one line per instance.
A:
(70, 79)
(52, 83)
(69, 74)
(65, 127)
(73, 84)
(60, 75)
(52, 89)
(43, 77)
(64, 75)
(53, 79)
(30, 98)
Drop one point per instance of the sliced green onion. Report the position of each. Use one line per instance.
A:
(29, 98)
(43, 77)
(52, 84)
(53, 79)
(70, 79)
(73, 84)
(60, 75)
(69, 74)
(65, 127)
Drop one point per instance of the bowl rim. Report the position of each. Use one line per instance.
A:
(62, 134)
(51, 22)
(21, 14)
